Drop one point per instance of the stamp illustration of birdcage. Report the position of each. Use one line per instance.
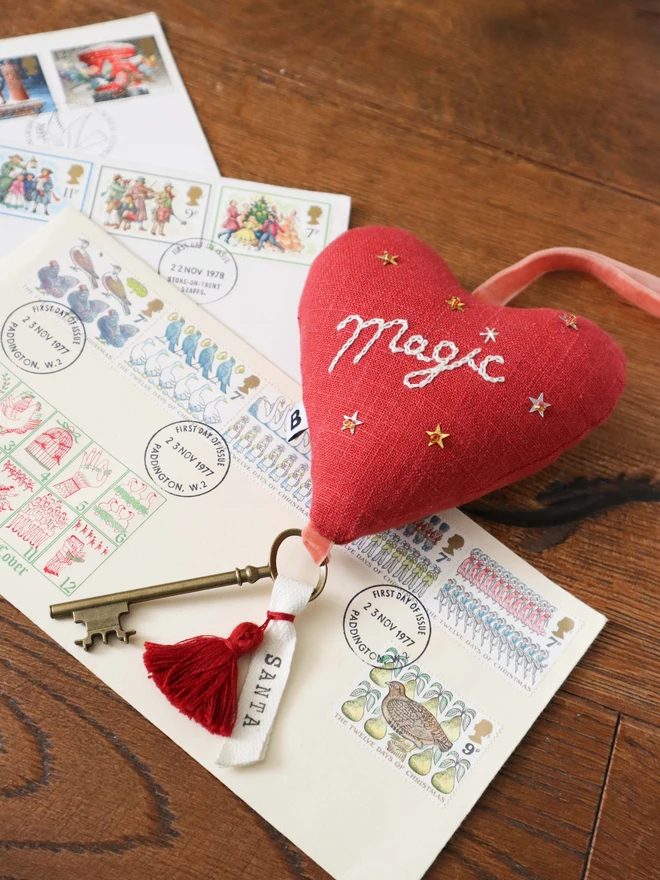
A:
(51, 446)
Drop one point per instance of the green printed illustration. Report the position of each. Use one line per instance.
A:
(416, 723)
(66, 504)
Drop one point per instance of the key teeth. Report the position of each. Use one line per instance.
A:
(88, 641)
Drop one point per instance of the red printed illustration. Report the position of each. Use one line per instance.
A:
(20, 414)
(15, 485)
(107, 71)
(72, 559)
(92, 472)
(51, 446)
(37, 522)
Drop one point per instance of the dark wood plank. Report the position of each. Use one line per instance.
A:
(627, 838)
(87, 786)
(571, 84)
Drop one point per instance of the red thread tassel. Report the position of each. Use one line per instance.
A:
(200, 675)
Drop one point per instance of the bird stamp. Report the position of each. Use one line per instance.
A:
(102, 299)
(193, 376)
(416, 724)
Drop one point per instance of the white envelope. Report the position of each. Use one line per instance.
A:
(207, 242)
(109, 89)
(124, 465)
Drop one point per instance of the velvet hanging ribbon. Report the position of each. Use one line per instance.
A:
(639, 287)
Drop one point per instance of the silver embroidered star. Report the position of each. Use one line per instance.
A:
(351, 422)
(490, 334)
(539, 405)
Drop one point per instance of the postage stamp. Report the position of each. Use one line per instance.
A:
(134, 205)
(23, 88)
(192, 375)
(271, 227)
(414, 556)
(35, 186)
(510, 626)
(112, 304)
(259, 439)
(419, 726)
(66, 504)
(112, 70)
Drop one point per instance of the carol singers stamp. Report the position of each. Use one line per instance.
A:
(36, 186)
(149, 206)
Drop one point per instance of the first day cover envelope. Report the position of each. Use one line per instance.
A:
(109, 89)
(239, 248)
(122, 465)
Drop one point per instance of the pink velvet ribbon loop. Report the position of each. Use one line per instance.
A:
(641, 288)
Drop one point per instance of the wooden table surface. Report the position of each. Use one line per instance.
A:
(490, 128)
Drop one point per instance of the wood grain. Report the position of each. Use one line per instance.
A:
(627, 834)
(490, 130)
(86, 781)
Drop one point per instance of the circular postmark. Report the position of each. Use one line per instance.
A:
(387, 626)
(72, 128)
(187, 458)
(43, 337)
(200, 268)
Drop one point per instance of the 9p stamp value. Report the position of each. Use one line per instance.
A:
(187, 458)
(381, 616)
(43, 337)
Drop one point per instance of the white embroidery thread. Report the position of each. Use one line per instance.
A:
(415, 346)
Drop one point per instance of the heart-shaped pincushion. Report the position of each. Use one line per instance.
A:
(424, 362)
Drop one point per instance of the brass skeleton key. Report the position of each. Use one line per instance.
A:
(101, 614)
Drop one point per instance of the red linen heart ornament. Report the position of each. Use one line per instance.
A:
(420, 398)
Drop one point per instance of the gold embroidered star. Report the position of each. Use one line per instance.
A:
(539, 405)
(351, 423)
(455, 304)
(570, 321)
(490, 334)
(436, 437)
(388, 259)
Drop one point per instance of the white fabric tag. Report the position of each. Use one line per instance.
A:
(296, 423)
(266, 679)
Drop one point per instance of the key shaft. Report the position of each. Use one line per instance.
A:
(250, 574)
